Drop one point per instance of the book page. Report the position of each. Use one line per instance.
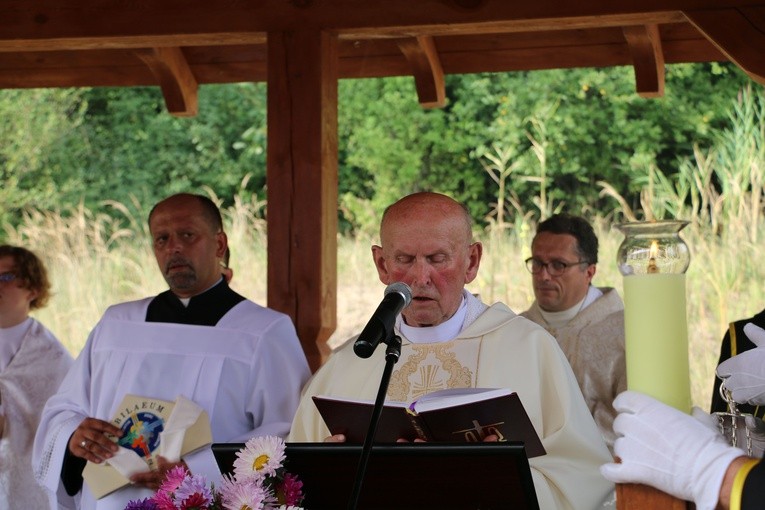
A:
(456, 396)
(352, 418)
(387, 403)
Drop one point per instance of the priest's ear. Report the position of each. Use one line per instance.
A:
(221, 244)
(475, 251)
(379, 259)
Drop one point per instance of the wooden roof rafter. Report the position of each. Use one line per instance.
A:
(738, 33)
(422, 55)
(179, 87)
(645, 45)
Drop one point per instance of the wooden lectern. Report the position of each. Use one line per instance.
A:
(630, 496)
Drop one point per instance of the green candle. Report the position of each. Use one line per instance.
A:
(656, 336)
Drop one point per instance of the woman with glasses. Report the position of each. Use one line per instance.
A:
(32, 364)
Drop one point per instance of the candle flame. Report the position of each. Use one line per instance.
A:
(653, 252)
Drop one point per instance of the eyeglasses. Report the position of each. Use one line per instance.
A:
(7, 277)
(554, 267)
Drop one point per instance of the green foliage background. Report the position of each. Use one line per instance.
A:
(562, 131)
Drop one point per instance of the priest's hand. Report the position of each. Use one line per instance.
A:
(668, 449)
(91, 440)
(744, 374)
(153, 479)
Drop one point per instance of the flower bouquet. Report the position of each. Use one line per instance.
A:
(260, 482)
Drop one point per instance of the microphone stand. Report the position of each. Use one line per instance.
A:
(392, 353)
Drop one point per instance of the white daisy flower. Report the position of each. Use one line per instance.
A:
(260, 457)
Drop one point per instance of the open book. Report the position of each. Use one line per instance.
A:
(452, 415)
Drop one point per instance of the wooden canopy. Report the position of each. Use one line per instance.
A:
(302, 47)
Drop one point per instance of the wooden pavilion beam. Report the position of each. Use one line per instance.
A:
(38, 25)
(179, 87)
(422, 55)
(302, 185)
(645, 46)
(738, 33)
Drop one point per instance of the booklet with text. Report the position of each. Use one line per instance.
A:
(452, 415)
(141, 420)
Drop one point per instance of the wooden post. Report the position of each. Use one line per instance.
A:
(302, 184)
(630, 496)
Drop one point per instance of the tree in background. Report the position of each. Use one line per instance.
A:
(42, 146)
(568, 129)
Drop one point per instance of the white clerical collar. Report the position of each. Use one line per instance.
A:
(559, 319)
(187, 300)
(444, 332)
(10, 341)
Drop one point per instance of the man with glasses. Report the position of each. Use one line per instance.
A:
(587, 321)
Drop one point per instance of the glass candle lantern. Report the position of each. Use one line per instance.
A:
(653, 259)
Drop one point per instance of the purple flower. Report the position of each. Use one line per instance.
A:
(142, 504)
(193, 486)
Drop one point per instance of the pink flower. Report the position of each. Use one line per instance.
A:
(290, 490)
(173, 479)
(195, 502)
(164, 501)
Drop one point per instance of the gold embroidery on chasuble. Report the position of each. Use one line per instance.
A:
(424, 368)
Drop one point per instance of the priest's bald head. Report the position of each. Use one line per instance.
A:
(426, 241)
(189, 242)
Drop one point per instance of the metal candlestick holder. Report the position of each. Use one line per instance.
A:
(742, 430)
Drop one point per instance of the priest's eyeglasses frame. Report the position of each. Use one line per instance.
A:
(554, 267)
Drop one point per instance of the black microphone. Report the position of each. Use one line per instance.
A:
(379, 328)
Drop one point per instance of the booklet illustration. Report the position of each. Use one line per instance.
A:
(452, 415)
(143, 420)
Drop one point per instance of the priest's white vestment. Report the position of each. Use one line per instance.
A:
(246, 372)
(32, 375)
(495, 349)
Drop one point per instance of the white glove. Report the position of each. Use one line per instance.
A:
(667, 449)
(744, 374)
(712, 422)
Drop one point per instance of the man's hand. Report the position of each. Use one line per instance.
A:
(153, 479)
(668, 449)
(744, 374)
(90, 440)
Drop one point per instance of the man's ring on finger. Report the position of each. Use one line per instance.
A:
(83, 443)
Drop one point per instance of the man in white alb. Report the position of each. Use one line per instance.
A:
(241, 362)
(450, 339)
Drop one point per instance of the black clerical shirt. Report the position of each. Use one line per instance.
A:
(205, 309)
